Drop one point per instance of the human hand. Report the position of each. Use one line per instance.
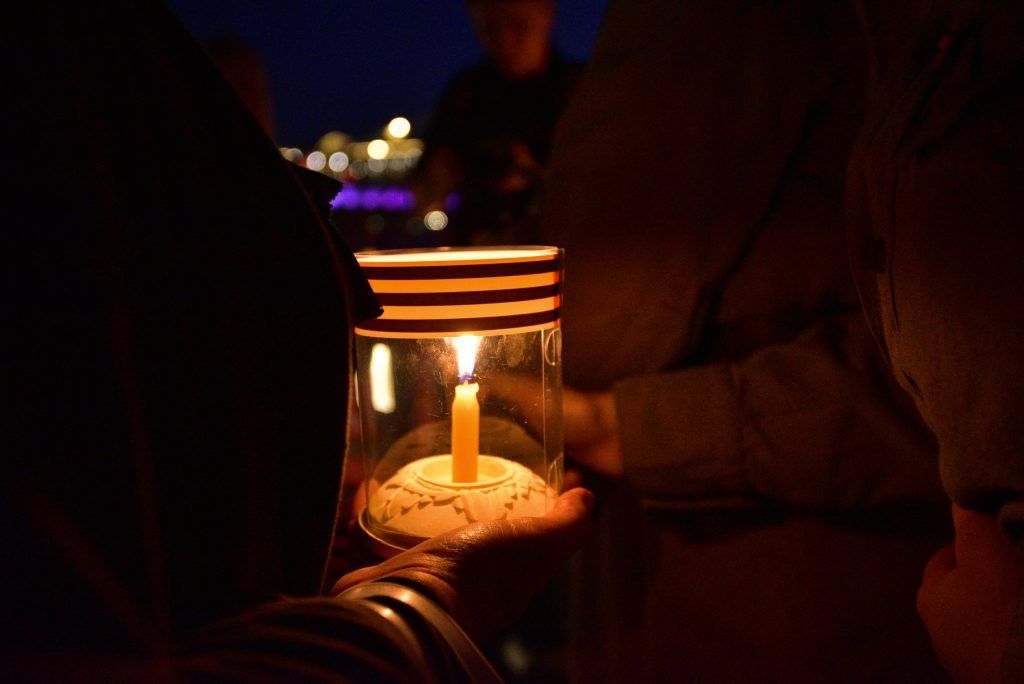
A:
(484, 574)
(969, 595)
(592, 431)
(522, 171)
(588, 420)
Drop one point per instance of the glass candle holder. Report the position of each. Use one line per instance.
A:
(459, 389)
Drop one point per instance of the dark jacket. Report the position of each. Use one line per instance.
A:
(936, 220)
(177, 317)
(781, 494)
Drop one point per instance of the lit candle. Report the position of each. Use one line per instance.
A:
(466, 414)
(465, 432)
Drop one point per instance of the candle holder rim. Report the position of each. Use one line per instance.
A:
(525, 251)
(438, 461)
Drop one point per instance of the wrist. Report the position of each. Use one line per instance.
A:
(403, 602)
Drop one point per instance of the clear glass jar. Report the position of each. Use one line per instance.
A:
(459, 389)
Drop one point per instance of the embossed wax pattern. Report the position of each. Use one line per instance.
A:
(419, 498)
(459, 387)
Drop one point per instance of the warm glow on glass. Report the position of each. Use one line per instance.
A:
(466, 347)
(436, 220)
(382, 379)
(378, 149)
(399, 127)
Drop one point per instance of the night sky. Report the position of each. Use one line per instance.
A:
(352, 66)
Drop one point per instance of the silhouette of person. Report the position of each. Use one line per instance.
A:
(771, 492)
(491, 130)
(180, 316)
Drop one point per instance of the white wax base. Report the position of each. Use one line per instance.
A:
(420, 500)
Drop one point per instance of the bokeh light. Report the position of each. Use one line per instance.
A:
(378, 149)
(399, 127)
(337, 162)
(316, 161)
(332, 141)
(435, 220)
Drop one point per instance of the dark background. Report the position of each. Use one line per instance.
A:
(352, 66)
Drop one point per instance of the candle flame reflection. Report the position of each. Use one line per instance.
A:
(466, 347)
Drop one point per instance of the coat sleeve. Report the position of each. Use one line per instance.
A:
(375, 632)
(959, 320)
(942, 192)
(813, 423)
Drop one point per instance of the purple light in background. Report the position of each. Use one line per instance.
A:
(347, 199)
(452, 202)
(392, 199)
(353, 198)
(371, 199)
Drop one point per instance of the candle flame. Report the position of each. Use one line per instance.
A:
(466, 347)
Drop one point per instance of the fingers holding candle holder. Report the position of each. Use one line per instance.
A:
(484, 574)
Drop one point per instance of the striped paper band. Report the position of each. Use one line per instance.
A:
(472, 290)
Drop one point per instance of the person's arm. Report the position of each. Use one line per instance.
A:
(814, 422)
(412, 618)
(935, 187)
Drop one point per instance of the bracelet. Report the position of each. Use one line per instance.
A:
(379, 593)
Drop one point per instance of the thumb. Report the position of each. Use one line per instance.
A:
(571, 514)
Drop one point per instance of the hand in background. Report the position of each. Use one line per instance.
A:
(591, 431)
(588, 420)
(969, 595)
(485, 574)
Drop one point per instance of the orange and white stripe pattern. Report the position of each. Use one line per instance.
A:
(472, 290)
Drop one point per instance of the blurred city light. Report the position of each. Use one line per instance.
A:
(316, 161)
(292, 154)
(348, 199)
(399, 127)
(371, 199)
(332, 141)
(337, 162)
(378, 149)
(435, 220)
